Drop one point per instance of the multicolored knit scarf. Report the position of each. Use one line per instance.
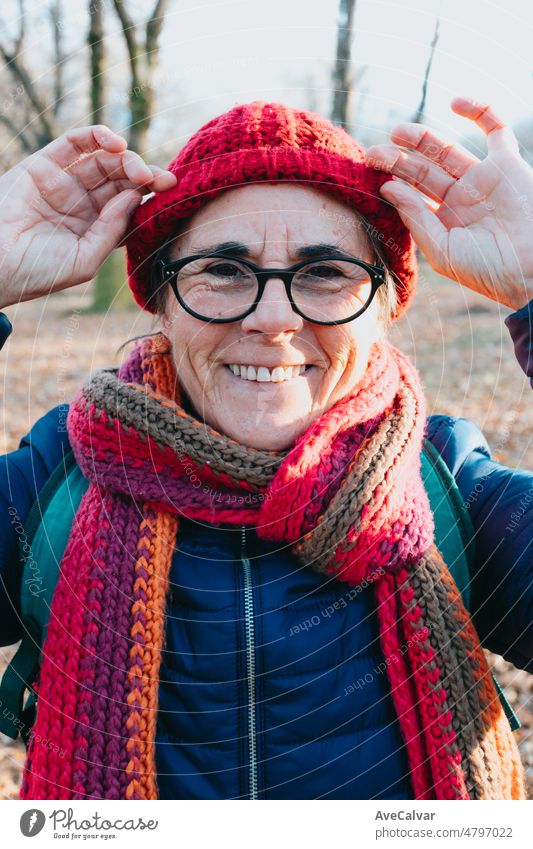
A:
(348, 496)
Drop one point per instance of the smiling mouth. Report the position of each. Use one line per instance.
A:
(263, 374)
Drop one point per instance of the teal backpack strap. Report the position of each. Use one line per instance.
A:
(454, 532)
(454, 536)
(46, 531)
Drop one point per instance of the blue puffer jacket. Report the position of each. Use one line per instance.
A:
(271, 685)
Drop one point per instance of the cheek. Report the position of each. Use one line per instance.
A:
(343, 349)
(347, 347)
(191, 347)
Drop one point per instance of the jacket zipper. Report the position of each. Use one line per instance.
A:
(250, 663)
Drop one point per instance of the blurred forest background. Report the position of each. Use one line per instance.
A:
(155, 71)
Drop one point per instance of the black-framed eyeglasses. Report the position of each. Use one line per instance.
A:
(220, 288)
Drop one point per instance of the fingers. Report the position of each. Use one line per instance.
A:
(73, 143)
(101, 195)
(106, 232)
(110, 160)
(451, 158)
(427, 162)
(105, 169)
(140, 174)
(417, 170)
(131, 166)
(497, 133)
(162, 181)
(481, 113)
(428, 232)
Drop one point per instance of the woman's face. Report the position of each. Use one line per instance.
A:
(273, 221)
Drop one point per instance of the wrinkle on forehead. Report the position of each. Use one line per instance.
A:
(273, 220)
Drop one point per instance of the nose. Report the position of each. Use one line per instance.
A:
(274, 313)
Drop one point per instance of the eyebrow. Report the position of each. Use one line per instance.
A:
(303, 252)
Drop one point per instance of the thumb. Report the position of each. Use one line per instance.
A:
(429, 233)
(105, 234)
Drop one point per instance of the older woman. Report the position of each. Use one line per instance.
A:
(250, 602)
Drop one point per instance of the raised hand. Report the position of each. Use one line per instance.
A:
(66, 207)
(481, 233)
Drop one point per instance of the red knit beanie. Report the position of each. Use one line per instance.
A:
(262, 141)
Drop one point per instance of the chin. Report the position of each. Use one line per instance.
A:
(267, 435)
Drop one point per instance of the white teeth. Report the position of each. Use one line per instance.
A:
(262, 374)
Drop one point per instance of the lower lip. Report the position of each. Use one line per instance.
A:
(270, 382)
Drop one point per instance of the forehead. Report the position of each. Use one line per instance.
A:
(273, 213)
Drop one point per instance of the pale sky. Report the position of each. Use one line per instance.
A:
(219, 52)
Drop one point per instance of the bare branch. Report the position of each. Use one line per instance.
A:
(45, 131)
(422, 105)
(143, 59)
(18, 134)
(56, 18)
(130, 37)
(341, 74)
(19, 72)
(22, 28)
(154, 26)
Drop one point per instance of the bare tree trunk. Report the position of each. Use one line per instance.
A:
(143, 59)
(109, 287)
(419, 114)
(95, 41)
(342, 76)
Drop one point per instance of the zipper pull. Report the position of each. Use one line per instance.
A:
(244, 555)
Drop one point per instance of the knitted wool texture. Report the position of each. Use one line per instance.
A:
(258, 142)
(349, 498)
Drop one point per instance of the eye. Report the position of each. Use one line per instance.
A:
(323, 271)
(225, 269)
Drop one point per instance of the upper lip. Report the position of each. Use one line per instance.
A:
(265, 365)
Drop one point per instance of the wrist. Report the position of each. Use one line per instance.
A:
(521, 297)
